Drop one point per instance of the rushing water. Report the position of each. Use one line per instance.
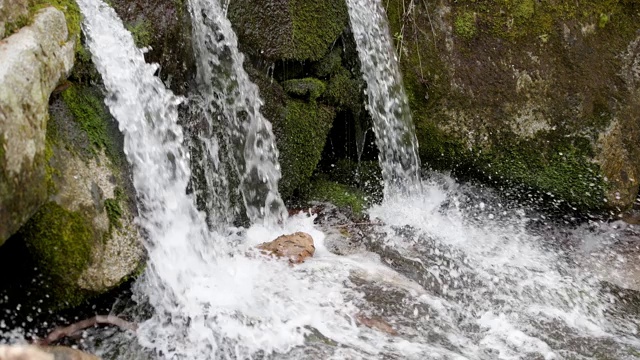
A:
(387, 101)
(232, 102)
(448, 272)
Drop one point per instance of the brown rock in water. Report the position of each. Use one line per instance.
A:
(296, 247)
(376, 322)
(31, 352)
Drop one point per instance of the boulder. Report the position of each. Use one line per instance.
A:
(296, 247)
(83, 239)
(541, 95)
(30, 352)
(34, 60)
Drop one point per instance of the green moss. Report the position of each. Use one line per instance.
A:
(311, 88)
(338, 194)
(68, 7)
(50, 171)
(288, 30)
(141, 32)
(329, 64)
(304, 129)
(114, 209)
(60, 241)
(562, 169)
(316, 24)
(602, 22)
(344, 91)
(465, 25)
(89, 112)
(114, 212)
(14, 26)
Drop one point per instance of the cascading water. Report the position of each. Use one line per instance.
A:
(230, 99)
(449, 276)
(387, 101)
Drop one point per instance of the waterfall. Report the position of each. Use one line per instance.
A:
(387, 101)
(147, 115)
(451, 272)
(231, 99)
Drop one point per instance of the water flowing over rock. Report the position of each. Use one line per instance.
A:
(33, 61)
(232, 102)
(388, 103)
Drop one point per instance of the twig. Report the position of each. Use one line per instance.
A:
(360, 223)
(68, 331)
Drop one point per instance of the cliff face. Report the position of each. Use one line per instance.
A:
(526, 93)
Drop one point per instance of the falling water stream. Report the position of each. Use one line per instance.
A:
(387, 101)
(448, 271)
(231, 101)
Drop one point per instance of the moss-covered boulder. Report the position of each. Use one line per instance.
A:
(288, 29)
(33, 60)
(302, 57)
(83, 240)
(539, 94)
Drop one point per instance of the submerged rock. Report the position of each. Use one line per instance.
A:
(29, 352)
(34, 60)
(296, 247)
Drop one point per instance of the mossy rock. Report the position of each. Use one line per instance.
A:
(301, 136)
(61, 242)
(307, 88)
(68, 7)
(340, 195)
(288, 29)
(528, 94)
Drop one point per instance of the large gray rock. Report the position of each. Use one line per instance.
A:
(33, 61)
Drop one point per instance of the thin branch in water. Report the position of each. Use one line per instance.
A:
(69, 331)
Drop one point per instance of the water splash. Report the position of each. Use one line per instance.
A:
(232, 99)
(387, 101)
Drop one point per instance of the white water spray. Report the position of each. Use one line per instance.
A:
(387, 101)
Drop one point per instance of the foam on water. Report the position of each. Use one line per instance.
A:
(515, 292)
